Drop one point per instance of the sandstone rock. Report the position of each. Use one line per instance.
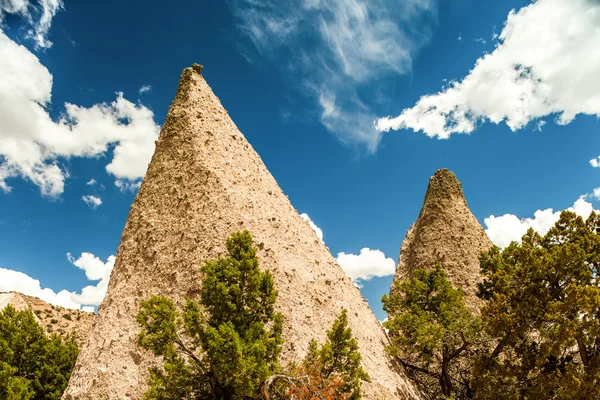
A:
(53, 319)
(445, 232)
(205, 182)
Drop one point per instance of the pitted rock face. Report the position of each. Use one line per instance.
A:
(53, 319)
(205, 182)
(446, 233)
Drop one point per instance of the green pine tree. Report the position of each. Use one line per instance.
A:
(433, 335)
(543, 311)
(332, 371)
(339, 356)
(226, 345)
(33, 365)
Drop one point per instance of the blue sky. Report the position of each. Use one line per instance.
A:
(352, 105)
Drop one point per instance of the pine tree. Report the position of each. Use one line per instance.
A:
(330, 372)
(224, 346)
(32, 364)
(543, 311)
(433, 335)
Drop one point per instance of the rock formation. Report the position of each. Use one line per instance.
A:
(205, 182)
(54, 319)
(445, 232)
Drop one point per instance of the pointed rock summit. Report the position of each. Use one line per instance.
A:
(446, 233)
(205, 182)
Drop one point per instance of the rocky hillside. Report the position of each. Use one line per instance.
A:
(445, 232)
(205, 181)
(54, 319)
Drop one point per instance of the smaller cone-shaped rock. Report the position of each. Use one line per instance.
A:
(446, 233)
(53, 319)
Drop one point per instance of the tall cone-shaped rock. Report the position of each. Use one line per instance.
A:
(446, 233)
(205, 182)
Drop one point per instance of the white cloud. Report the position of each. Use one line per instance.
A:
(145, 89)
(90, 309)
(595, 162)
(125, 185)
(314, 226)
(596, 193)
(11, 280)
(545, 63)
(32, 145)
(506, 228)
(95, 270)
(354, 45)
(539, 124)
(92, 201)
(91, 182)
(368, 264)
(38, 16)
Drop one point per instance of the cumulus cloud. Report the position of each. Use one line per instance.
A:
(95, 270)
(91, 182)
(366, 265)
(32, 144)
(339, 50)
(92, 201)
(11, 280)
(314, 226)
(543, 65)
(90, 297)
(38, 16)
(362, 267)
(506, 228)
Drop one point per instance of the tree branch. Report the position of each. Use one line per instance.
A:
(185, 350)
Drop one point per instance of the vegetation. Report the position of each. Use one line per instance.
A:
(332, 371)
(226, 345)
(538, 335)
(543, 311)
(32, 364)
(225, 351)
(432, 333)
(68, 316)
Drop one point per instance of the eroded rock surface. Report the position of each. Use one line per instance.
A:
(54, 319)
(445, 232)
(205, 181)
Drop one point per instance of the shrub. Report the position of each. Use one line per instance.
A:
(33, 365)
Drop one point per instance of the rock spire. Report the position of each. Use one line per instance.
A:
(445, 232)
(204, 182)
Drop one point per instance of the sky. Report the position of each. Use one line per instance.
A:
(351, 104)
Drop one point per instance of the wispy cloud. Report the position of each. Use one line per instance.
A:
(542, 65)
(145, 89)
(92, 201)
(39, 16)
(337, 50)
